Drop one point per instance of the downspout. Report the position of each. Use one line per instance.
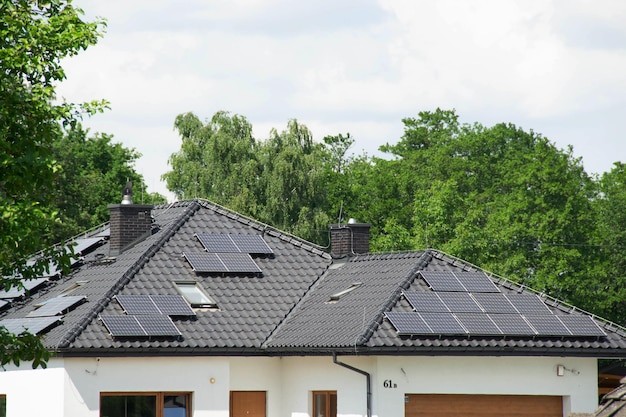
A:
(368, 381)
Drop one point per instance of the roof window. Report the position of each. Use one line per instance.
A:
(194, 294)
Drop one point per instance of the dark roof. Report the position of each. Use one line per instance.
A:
(613, 404)
(303, 301)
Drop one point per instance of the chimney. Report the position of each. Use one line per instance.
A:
(129, 222)
(349, 239)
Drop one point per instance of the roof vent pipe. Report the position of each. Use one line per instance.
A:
(127, 193)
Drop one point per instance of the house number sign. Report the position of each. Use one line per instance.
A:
(388, 383)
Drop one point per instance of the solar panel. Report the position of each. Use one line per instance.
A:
(56, 306)
(29, 285)
(3, 303)
(425, 302)
(82, 245)
(581, 325)
(137, 304)
(528, 304)
(494, 303)
(478, 324)
(442, 323)
(158, 325)
(408, 323)
(442, 281)
(172, 305)
(205, 262)
(33, 325)
(104, 233)
(239, 262)
(142, 325)
(459, 302)
(251, 244)
(476, 282)
(217, 243)
(512, 324)
(123, 326)
(548, 325)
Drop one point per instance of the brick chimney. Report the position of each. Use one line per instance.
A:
(349, 239)
(129, 222)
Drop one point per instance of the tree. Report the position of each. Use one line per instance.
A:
(34, 38)
(92, 171)
(505, 199)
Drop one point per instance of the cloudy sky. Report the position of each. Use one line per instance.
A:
(557, 67)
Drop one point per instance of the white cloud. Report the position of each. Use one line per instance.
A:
(357, 66)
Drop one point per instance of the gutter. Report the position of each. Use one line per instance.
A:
(368, 381)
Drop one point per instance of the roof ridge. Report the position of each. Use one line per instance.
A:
(77, 329)
(265, 228)
(422, 261)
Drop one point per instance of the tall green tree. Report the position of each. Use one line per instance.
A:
(34, 38)
(91, 173)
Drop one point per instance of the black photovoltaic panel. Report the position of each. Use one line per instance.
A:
(82, 245)
(459, 302)
(56, 306)
(33, 325)
(547, 325)
(442, 323)
(239, 262)
(216, 243)
(427, 302)
(123, 326)
(478, 324)
(227, 243)
(104, 233)
(172, 305)
(408, 323)
(251, 244)
(141, 326)
(29, 284)
(476, 282)
(137, 304)
(528, 304)
(3, 303)
(581, 325)
(205, 262)
(442, 281)
(494, 303)
(512, 324)
(158, 325)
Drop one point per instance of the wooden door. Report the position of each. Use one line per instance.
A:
(247, 404)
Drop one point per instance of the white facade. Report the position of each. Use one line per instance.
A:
(72, 386)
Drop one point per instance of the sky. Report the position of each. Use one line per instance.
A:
(557, 67)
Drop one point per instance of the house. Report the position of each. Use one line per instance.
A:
(190, 309)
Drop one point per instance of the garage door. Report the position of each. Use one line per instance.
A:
(447, 405)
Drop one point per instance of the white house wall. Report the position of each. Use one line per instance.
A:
(33, 392)
(72, 387)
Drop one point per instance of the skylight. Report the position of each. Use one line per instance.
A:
(194, 295)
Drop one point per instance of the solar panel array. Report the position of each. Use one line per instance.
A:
(140, 325)
(460, 281)
(169, 305)
(222, 262)
(469, 303)
(33, 325)
(416, 323)
(84, 244)
(28, 285)
(231, 243)
(56, 306)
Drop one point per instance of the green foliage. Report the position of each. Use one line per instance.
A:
(277, 181)
(92, 171)
(34, 38)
